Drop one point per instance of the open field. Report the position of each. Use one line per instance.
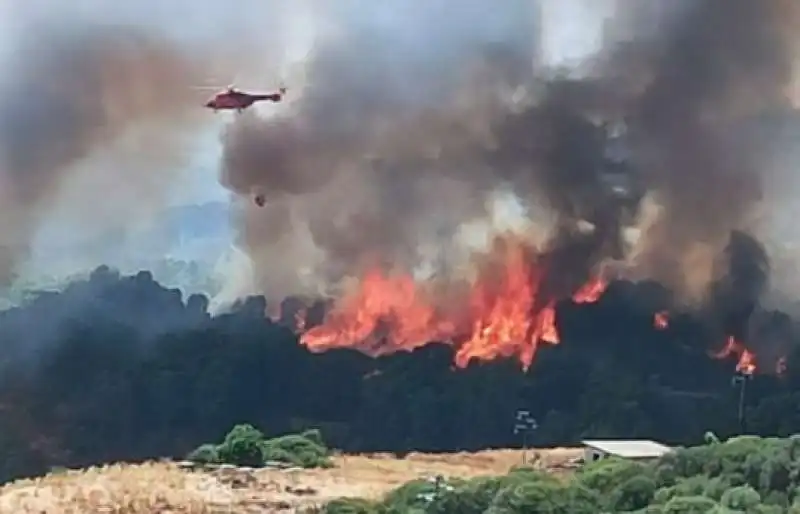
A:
(164, 487)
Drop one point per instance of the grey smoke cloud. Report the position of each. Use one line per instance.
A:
(359, 156)
(97, 108)
(408, 118)
(704, 145)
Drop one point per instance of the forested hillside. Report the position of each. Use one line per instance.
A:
(120, 368)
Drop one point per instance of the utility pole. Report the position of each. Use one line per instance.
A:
(524, 424)
(741, 379)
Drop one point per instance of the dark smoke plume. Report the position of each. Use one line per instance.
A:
(375, 156)
(404, 126)
(720, 65)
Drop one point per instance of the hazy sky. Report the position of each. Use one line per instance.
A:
(571, 30)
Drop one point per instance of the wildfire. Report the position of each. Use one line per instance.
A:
(510, 317)
(505, 314)
(505, 311)
(386, 313)
(661, 320)
(747, 360)
(591, 291)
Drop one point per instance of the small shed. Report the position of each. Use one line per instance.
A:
(626, 449)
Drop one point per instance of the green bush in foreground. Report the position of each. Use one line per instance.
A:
(353, 506)
(743, 475)
(245, 445)
(242, 447)
(204, 454)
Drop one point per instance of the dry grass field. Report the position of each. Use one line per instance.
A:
(166, 488)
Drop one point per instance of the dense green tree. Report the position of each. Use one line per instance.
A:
(608, 475)
(689, 505)
(297, 449)
(352, 506)
(245, 445)
(473, 497)
(242, 446)
(633, 494)
(741, 498)
(205, 454)
(615, 486)
(544, 497)
(116, 367)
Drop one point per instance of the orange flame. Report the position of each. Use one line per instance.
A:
(661, 320)
(746, 364)
(503, 309)
(591, 291)
(505, 313)
(385, 314)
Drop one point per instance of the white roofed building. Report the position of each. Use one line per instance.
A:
(638, 449)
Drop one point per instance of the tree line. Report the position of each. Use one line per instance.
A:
(120, 368)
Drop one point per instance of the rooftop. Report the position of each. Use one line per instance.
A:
(629, 449)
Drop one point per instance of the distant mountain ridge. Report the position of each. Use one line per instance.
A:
(199, 233)
(206, 220)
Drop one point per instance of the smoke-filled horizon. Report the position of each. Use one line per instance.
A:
(207, 44)
(348, 176)
(100, 109)
(405, 124)
(408, 121)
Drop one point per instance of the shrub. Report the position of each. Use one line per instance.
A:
(204, 454)
(716, 487)
(741, 498)
(605, 475)
(472, 497)
(545, 496)
(245, 445)
(351, 506)
(633, 494)
(410, 496)
(742, 475)
(242, 447)
(690, 505)
(297, 450)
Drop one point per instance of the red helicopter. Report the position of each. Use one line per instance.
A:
(232, 99)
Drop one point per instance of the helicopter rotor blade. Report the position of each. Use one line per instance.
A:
(215, 85)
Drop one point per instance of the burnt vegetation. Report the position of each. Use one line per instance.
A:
(119, 368)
